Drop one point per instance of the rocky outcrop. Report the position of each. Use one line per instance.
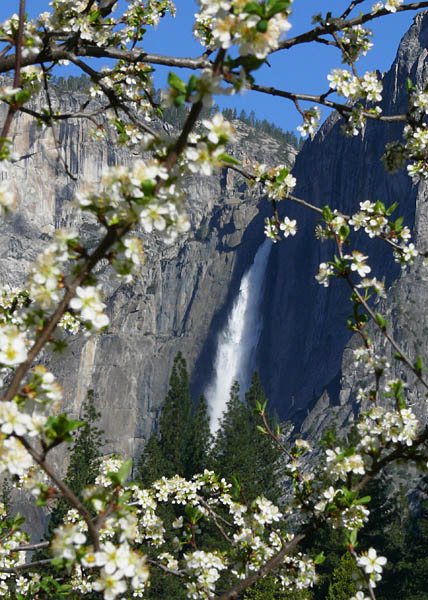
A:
(185, 290)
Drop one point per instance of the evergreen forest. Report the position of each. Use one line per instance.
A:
(183, 445)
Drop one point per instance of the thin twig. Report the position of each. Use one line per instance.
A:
(291, 197)
(350, 8)
(111, 237)
(403, 356)
(164, 568)
(65, 116)
(342, 109)
(55, 53)
(26, 566)
(67, 493)
(215, 518)
(271, 564)
(111, 95)
(337, 24)
(32, 547)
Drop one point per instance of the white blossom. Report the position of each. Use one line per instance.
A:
(371, 562)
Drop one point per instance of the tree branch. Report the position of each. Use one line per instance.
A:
(321, 99)
(66, 491)
(26, 566)
(112, 236)
(271, 564)
(56, 53)
(337, 24)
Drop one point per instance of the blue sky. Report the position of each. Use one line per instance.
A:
(301, 69)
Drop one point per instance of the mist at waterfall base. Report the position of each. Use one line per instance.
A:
(237, 343)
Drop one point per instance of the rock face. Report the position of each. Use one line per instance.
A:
(306, 332)
(186, 288)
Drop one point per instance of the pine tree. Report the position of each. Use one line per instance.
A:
(181, 444)
(342, 584)
(243, 451)
(85, 456)
(174, 422)
(333, 544)
(151, 465)
(414, 563)
(199, 439)
(266, 456)
(179, 447)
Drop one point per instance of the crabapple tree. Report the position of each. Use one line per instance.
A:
(112, 540)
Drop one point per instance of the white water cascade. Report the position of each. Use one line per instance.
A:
(237, 343)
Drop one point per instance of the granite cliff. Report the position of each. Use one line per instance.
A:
(351, 171)
(185, 290)
(301, 355)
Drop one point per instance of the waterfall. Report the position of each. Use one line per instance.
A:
(237, 343)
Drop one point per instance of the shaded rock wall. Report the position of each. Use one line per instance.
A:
(306, 331)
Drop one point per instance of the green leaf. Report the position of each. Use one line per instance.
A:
(119, 125)
(179, 100)
(22, 96)
(58, 428)
(419, 365)
(262, 26)
(397, 225)
(349, 451)
(319, 559)
(230, 160)
(193, 513)
(383, 323)
(276, 6)
(353, 537)
(236, 486)
(176, 82)
(344, 232)
(379, 207)
(391, 208)
(348, 495)
(253, 8)
(192, 84)
(402, 404)
(121, 476)
(282, 174)
(250, 63)
(18, 520)
(327, 214)
(148, 185)
(364, 500)
(93, 16)
(409, 84)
